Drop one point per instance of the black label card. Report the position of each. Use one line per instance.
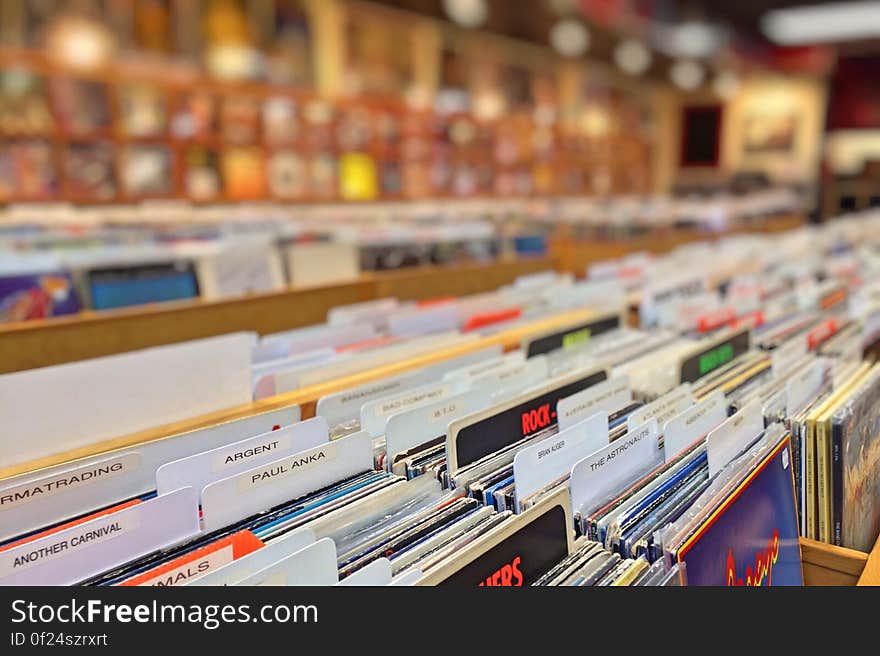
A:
(714, 356)
(528, 418)
(572, 336)
(521, 558)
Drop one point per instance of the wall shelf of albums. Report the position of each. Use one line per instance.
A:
(127, 132)
(827, 304)
(93, 334)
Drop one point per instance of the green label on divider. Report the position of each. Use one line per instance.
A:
(715, 358)
(577, 337)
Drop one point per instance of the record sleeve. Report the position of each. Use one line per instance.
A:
(856, 467)
(752, 536)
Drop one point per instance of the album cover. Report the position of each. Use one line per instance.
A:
(752, 537)
(856, 467)
(37, 296)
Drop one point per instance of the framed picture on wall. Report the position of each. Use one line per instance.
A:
(769, 133)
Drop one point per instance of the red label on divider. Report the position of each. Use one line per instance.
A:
(752, 319)
(821, 332)
(716, 319)
(437, 300)
(630, 272)
(367, 343)
(199, 562)
(488, 318)
(835, 297)
(75, 522)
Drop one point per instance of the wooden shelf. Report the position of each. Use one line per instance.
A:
(32, 344)
(871, 572)
(826, 564)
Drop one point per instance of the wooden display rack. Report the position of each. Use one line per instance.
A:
(93, 334)
(576, 255)
(32, 344)
(823, 564)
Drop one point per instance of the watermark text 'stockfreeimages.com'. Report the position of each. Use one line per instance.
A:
(94, 611)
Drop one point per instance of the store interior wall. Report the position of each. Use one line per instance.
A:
(762, 98)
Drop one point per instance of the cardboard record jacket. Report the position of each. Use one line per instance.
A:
(752, 536)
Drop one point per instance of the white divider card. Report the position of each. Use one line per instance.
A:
(717, 353)
(483, 433)
(370, 358)
(198, 470)
(537, 466)
(484, 367)
(255, 561)
(263, 374)
(311, 565)
(786, 355)
(49, 410)
(47, 496)
(423, 321)
(684, 314)
(587, 293)
(82, 551)
(369, 312)
(345, 405)
(803, 386)
(409, 578)
(374, 414)
(533, 280)
(412, 428)
(686, 428)
(573, 335)
(733, 436)
(607, 397)
(780, 305)
(663, 409)
(511, 378)
(247, 493)
(273, 350)
(376, 573)
(664, 291)
(313, 356)
(304, 340)
(611, 468)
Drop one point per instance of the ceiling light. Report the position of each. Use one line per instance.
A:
(697, 39)
(569, 37)
(693, 38)
(841, 21)
(632, 56)
(687, 74)
(467, 13)
(726, 84)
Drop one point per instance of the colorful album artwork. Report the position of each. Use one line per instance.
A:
(751, 539)
(856, 477)
(37, 296)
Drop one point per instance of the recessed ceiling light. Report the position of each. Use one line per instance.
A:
(569, 37)
(726, 84)
(632, 56)
(687, 74)
(467, 13)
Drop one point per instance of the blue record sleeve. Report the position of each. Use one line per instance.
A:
(752, 537)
